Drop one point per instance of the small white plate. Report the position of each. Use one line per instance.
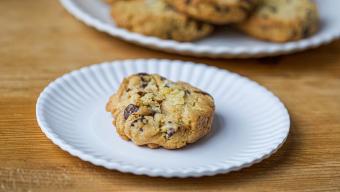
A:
(224, 43)
(250, 122)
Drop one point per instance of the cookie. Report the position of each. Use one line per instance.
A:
(282, 20)
(157, 18)
(153, 111)
(215, 11)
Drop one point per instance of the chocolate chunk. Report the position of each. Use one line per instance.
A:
(144, 81)
(141, 120)
(130, 109)
(152, 113)
(170, 132)
(144, 84)
(141, 93)
(142, 74)
(187, 2)
(137, 120)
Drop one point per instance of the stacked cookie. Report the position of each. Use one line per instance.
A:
(189, 20)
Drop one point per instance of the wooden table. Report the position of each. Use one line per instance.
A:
(39, 41)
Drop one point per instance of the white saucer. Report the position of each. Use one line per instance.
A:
(224, 43)
(250, 122)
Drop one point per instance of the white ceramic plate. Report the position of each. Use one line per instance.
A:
(250, 122)
(224, 43)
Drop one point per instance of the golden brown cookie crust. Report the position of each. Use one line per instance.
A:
(153, 111)
(282, 20)
(157, 18)
(215, 11)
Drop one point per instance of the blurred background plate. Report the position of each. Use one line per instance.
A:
(224, 43)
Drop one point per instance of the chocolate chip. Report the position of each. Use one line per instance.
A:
(141, 120)
(170, 132)
(141, 93)
(141, 130)
(152, 113)
(142, 74)
(144, 83)
(143, 80)
(187, 2)
(128, 89)
(137, 120)
(130, 109)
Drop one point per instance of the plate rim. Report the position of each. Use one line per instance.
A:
(153, 172)
(188, 48)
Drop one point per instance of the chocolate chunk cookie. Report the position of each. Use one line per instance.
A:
(282, 20)
(215, 11)
(153, 111)
(157, 18)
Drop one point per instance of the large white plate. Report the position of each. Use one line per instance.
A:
(250, 122)
(224, 43)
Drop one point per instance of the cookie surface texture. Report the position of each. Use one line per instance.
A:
(157, 18)
(215, 11)
(282, 20)
(153, 111)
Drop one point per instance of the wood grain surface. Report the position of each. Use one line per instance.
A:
(40, 41)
